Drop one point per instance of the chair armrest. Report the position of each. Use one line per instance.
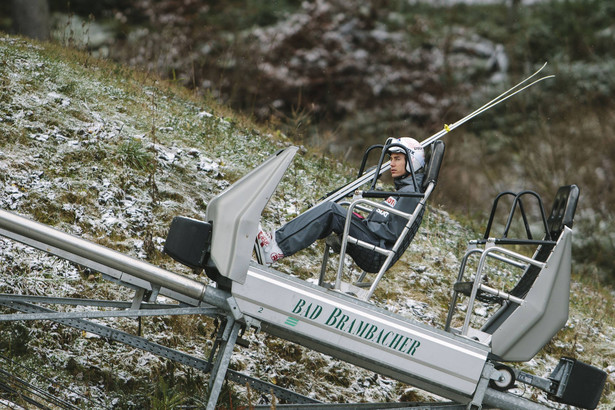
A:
(359, 207)
(357, 202)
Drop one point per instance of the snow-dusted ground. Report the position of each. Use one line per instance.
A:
(99, 154)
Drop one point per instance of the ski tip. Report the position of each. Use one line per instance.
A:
(537, 71)
(546, 77)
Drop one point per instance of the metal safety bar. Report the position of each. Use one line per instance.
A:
(389, 253)
(493, 252)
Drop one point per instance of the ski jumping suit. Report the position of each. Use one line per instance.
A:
(380, 228)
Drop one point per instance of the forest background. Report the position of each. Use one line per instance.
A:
(342, 75)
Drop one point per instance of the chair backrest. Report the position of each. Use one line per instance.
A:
(564, 208)
(434, 162)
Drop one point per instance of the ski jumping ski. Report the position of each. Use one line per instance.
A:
(370, 174)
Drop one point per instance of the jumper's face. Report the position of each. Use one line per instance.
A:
(398, 164)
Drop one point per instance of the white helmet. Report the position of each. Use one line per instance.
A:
(414, 147)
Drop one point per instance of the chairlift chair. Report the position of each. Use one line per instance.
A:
(537, 306)
(385, 258)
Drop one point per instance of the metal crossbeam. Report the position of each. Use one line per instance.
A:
(82, 302)
(163, 351)
(144, 309)
(226, 342)
(96, 315)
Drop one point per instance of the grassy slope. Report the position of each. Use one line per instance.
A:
(113, 154)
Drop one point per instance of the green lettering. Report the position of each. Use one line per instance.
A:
(370, 332)
(362, 328)
(317, 311)
(404, 344)
(351, 325)
(412, 350)
(395, 341)
(382, 340)
(299, 306)
(333, 318)
(342, 322)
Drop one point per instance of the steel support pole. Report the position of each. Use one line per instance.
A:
(71, 247)
(225, 351)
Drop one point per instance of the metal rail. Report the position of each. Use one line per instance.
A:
(369, 406)
(25, 392)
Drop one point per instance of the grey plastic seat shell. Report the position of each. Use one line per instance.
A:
(520, 331)
(235, 214)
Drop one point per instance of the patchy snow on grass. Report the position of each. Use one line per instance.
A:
(112, 160)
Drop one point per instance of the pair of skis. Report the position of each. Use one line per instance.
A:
(369, 175)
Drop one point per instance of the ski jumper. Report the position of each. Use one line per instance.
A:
(379, 228)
